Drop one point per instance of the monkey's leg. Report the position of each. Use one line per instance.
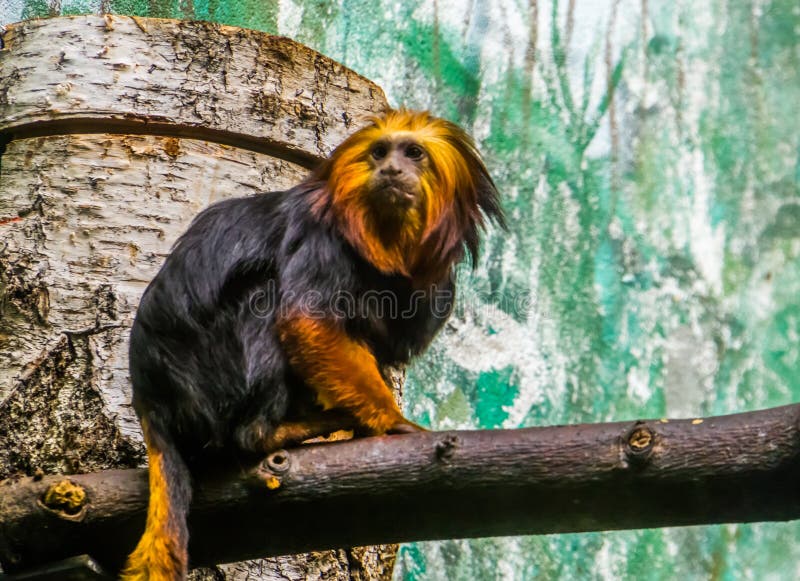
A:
(343, 373)
(321, 424)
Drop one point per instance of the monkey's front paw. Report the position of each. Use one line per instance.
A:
(405, 427)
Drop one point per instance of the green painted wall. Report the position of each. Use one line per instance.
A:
(649, 155)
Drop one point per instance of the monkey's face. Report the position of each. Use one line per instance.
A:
(409, 192)
(397, 163)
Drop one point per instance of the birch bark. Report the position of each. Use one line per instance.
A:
(115, 131)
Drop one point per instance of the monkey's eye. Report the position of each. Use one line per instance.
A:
(414, 152)
(379, 151)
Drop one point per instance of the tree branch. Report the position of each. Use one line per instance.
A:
(435, 485)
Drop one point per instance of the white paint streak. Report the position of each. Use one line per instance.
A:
(290, 16)
(707, 242)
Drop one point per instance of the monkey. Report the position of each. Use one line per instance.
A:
(261, 330)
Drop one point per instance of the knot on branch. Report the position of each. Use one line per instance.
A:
(638, 444)
(278, 462)
(446, 447)
(273, 467)
(65, 499)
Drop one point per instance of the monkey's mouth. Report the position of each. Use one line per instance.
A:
(396, 193)
(399, 193)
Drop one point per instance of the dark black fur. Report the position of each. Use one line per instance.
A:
(208, 372)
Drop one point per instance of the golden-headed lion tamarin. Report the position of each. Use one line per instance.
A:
(262, 328)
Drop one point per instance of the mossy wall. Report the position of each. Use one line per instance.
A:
(649, 157)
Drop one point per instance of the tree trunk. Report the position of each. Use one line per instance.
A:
(114, 133)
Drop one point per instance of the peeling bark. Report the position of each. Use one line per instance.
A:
(55, 421)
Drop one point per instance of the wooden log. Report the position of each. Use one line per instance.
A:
(736, 468)
(114, 132)
(123, 74)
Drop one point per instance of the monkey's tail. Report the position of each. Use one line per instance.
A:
(161, 554)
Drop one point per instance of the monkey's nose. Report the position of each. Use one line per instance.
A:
(390, 170)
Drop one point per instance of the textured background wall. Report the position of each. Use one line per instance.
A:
(649, 155)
